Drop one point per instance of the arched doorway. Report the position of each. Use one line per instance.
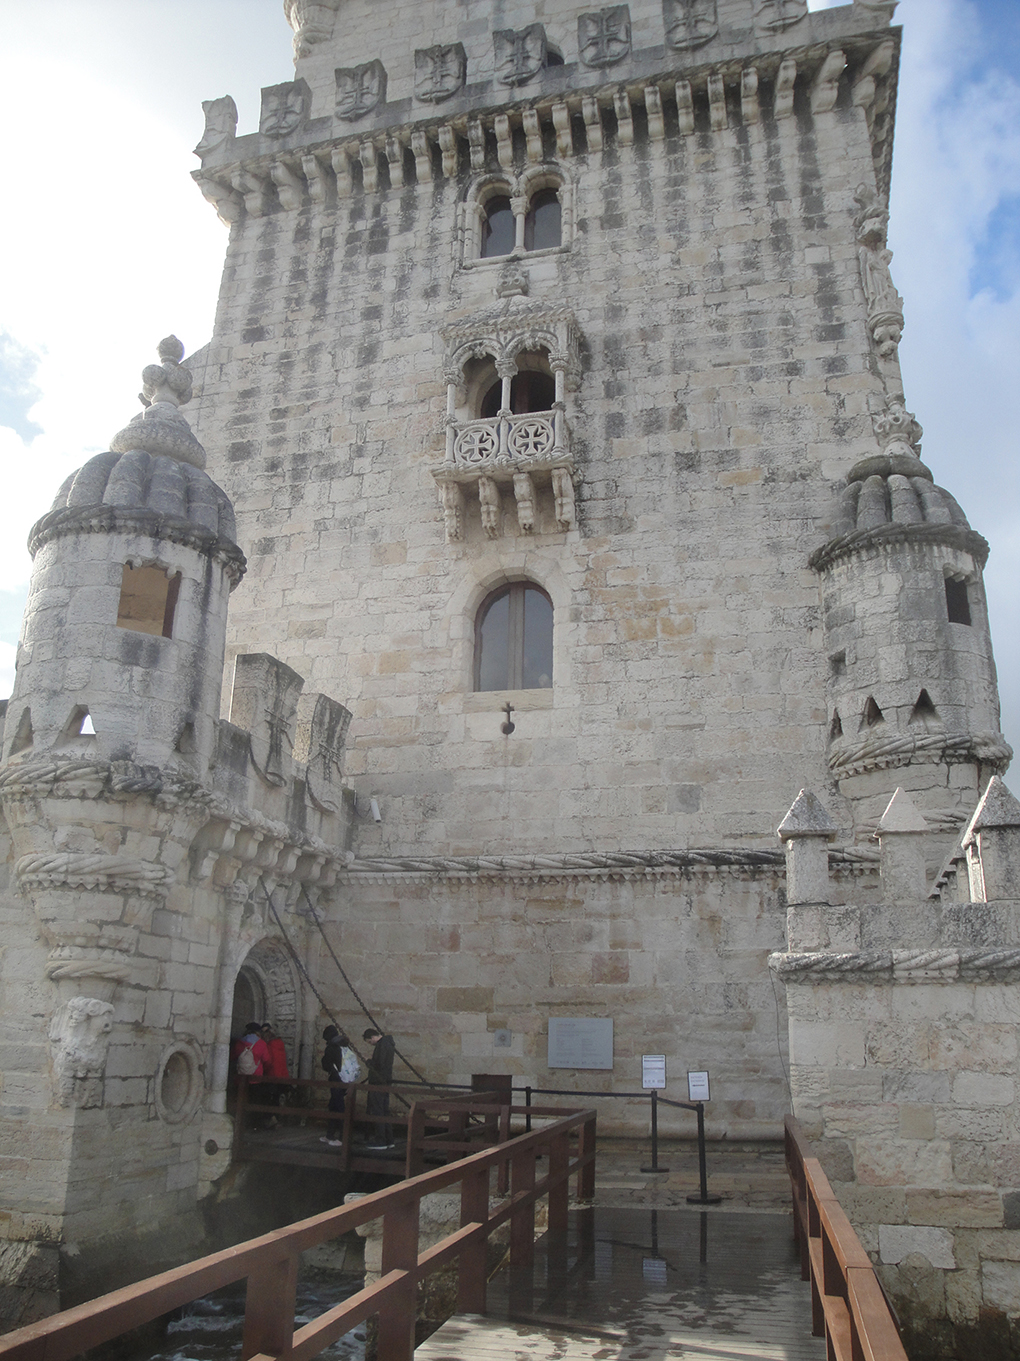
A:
(266, 989)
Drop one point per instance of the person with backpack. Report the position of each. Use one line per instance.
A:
(252, 1052)
(340, 1064)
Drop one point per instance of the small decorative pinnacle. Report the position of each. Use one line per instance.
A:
(897, 430)
(160, 428)
(997, 808)
(901, 815)
(807, 817)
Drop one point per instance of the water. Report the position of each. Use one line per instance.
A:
(209, 1329)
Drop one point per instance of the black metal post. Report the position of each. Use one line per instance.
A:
(655, 1136)
(704, 1198)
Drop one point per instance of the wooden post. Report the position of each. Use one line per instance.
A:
(269, 1308)
(471, 1277)
(559, 1192)
(414, 1161)
(522, 1218)
(399, 1253)
(586, 1176)
(350, 1105)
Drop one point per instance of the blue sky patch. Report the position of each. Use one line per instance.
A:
(996, 267)
(18, 393)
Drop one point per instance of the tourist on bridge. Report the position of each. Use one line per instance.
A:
(340, 1064)
(380, 1074)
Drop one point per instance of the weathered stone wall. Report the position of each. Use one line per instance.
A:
(904, 1069)
(724, 382)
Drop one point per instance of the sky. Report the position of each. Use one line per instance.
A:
(107, 245)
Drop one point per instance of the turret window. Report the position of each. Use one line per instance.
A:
(498, 229)
(957, 601)
(514, 639)
(148, 600)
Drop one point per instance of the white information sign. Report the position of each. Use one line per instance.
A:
(580, 1042)
(697, 1087)
(653, 1071)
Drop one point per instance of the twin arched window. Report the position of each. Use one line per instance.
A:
(514, 639)
(514, 224)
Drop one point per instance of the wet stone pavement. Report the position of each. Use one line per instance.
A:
(643, 1275)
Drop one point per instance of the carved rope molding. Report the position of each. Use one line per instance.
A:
(881, 536)
(89, 778)
(80, 870)
(881, 751)
(118, 520)
(948, 965)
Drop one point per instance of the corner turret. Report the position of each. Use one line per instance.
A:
(121, 654)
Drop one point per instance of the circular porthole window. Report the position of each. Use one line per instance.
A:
(179, 1082)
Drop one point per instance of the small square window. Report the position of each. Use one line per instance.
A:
(148, 600)
(957, 601)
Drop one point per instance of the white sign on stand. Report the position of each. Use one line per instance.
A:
(653, 1072)
(580, 1042)
(697, 1087)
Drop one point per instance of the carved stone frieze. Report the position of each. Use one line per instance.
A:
(947, 965)
(772, 16)
(284, 108)
(359, 90)
(80, 870)
(689, 23)
(603, 36)
(79, 1037)
(220, 125)
(439, 72)
(520, 55)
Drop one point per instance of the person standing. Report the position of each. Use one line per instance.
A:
(332, 1063)
(380, 1074)
(276, 1068)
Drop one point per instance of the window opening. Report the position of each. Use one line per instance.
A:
(836, 726)
(148, 600)
(924, 712)
(24, 737)
(513, 640)
(529, 391)
(872, 714)
(957, 601)
(543, 224)
(498, 229)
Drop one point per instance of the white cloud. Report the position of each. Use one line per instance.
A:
(7, 651)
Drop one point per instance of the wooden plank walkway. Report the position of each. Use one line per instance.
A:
(645, 1285)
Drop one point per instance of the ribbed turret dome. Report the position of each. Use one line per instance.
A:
(142, 481)
(895, 489)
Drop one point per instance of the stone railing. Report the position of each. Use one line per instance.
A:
(520, 453)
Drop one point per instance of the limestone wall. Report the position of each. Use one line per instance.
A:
(723, 389)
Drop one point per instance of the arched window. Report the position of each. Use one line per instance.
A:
(543, 224)
(532, 388)
(498, 229)
(513, 639)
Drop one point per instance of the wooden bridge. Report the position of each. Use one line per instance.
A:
(843, 1303)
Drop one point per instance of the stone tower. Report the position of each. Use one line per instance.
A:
(556, 367)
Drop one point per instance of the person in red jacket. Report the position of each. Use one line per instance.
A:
(260, 1055)
(276, 1068)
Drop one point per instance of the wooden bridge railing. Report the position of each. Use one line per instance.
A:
(848, 1306)
(270, 1263)
(435, 1128)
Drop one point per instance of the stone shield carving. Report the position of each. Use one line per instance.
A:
(439, 72)
(521, 55)
(603, 37)
(321, 734)
(772, 16)
(220, 125)
(284, 108)
(79, 1036)
(689, 23)
(360, 89)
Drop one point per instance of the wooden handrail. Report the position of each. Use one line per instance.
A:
(848, 1306)
(270, 1263)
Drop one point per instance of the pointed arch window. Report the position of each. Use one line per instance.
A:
(514, 639)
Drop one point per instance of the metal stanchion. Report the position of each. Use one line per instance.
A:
(655, 1136)
(704, 1198)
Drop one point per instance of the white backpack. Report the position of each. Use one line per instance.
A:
(350, 1069)
(246, 1065)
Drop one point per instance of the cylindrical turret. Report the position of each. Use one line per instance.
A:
(121, 652)
(911, 676)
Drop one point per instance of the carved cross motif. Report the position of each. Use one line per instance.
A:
(284, 108)
(603, 37)
(359, 89)
(519, 56)
(439, 72)
(774, 15)
(321, 739)
(689, 23)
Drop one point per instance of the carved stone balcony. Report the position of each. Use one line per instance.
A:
(517, 453)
